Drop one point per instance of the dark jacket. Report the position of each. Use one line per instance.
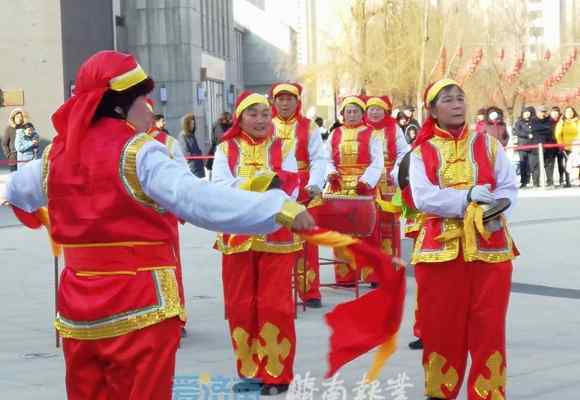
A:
(543, 130)
(9, 142)
(190, 148)
(523, 128)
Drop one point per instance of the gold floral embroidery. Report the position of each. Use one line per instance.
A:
(275, 352)
(497, 381)
(436, 379)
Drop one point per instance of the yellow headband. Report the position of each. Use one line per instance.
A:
(352, 100)
(285, 87)
(377, 102)
(249, 101)
(128, 79)
(438, 87)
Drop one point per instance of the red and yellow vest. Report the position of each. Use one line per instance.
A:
(247, 158)
(459, 163)
(121, 263)
(350, 151)
(296, 134)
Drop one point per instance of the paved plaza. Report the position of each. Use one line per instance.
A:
(543, 325)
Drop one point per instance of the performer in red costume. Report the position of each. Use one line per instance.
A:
(257, 270)
(395, 147)
(356, 164)
(300, 136)
(463, 267)
(113, 210)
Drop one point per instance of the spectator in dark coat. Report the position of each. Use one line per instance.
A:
(189, 144)
(15, 121)
(543, 133)
(523, 132)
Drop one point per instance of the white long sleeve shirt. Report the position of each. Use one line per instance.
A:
(171, 184)
(451, 203)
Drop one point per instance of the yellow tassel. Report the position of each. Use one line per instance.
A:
(388, 206)
(386, 350)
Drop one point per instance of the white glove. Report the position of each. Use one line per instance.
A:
(481, 194)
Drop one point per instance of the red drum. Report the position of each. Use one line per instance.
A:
(352, 215)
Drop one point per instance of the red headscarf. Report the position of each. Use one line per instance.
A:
(244, 101)
(385, 103)
(294, 89)
(106, 70)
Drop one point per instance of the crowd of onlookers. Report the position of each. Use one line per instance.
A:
(535, 126)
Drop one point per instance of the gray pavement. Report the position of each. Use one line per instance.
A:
(543, 325)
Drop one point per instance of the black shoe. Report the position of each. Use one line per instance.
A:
(183, 333)
(523, 186)
(374, 285)
(247, 385)
(416, 345)
(273, 390)
(314, 303)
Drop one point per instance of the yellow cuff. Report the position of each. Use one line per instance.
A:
(288, 213)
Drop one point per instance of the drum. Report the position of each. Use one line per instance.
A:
(352, 215)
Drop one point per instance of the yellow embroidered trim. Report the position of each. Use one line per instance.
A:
(128, 79)
(285, 131)
(289, 212)
(168, 306)
(258, 243)
(249, 101)
(285, 87)
(438, 87)
(253, 158)
(377, 102)
(352, 100)
(128, 170)
(45, 169)
(110, 273)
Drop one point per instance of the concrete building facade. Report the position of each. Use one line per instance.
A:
(42, 43)
(201, 53)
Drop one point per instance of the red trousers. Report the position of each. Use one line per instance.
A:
(309, 273)
(417, 323)
(136, 366)
(463, 308)
(260, 312)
